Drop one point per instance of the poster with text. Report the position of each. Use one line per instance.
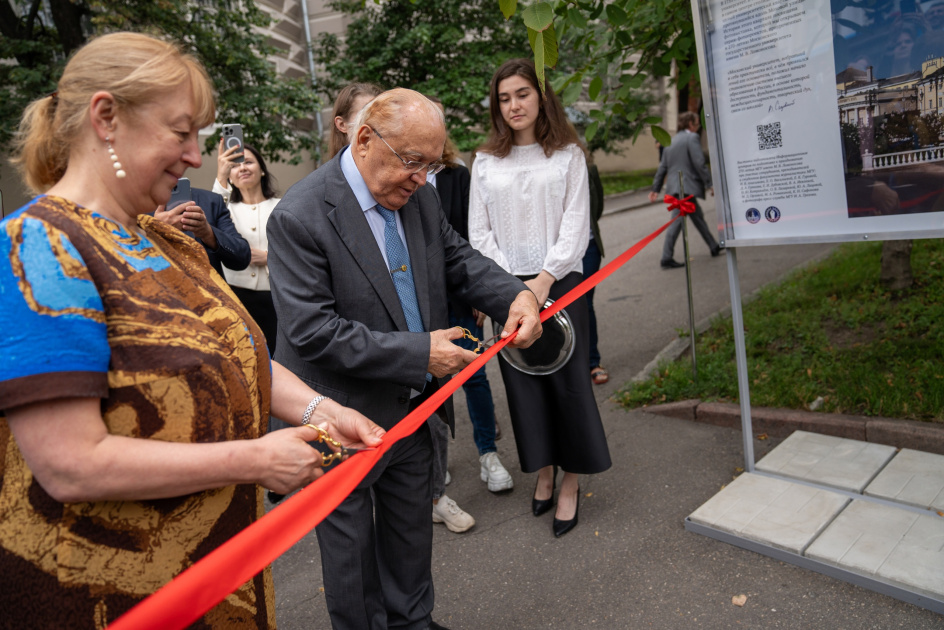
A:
(829, 116)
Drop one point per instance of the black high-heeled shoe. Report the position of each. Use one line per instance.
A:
(540, 506)
(562, 527)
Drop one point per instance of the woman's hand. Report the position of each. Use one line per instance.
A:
(291, 463)
(288, 462)
(347, 426)
(174, 216)
(194, 220)
(541, 286)
(258, 257)
(290, 399)
(188, 217)
(225, 163)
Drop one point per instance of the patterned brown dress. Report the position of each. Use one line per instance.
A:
(141, 321)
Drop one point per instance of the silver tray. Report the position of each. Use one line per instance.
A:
(549, 353)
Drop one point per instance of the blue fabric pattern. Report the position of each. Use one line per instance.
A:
(48, 299)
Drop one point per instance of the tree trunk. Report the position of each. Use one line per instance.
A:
(68, 18)
(896, 265)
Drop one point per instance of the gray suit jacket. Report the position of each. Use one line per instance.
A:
(684, 154)
(341, 326)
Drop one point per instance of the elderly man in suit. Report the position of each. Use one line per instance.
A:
(361, 259)
(684, 154)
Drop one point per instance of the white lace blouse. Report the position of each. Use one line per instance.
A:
(529, 212)
(250, 221)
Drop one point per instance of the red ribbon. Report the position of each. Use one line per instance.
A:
(205, 584)
(684, 206)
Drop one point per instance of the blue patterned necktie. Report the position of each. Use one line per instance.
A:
(400, 271)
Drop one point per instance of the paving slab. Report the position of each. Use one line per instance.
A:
(912, 477)
(898, 546)
(776, 512)
(830, 461)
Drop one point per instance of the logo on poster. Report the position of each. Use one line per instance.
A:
(753, 215)
(772, 214)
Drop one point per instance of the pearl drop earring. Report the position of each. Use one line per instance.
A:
(119, 173)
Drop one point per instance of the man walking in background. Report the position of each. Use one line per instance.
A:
(684, 154)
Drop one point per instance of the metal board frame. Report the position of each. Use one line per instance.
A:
(706, 69)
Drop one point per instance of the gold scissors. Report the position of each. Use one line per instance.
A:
(482, 345)
(345, 451)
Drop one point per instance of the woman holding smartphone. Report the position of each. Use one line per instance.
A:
(249, 192)
(530, 212)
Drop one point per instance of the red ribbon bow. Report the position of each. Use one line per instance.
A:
(684, 206)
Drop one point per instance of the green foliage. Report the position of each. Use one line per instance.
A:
(619, 46)
(622, 182)
(907, 130)
(447, 48)
(221, 33)
(831, 331)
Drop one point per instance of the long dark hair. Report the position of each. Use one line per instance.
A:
(552, 129)
(268, 182)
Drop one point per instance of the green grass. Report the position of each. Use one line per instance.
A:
(832, 331)
(627, 180)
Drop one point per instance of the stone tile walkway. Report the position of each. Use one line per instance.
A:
(827, 460)
(888, 540)
(913, 478)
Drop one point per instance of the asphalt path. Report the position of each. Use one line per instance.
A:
(629, 563)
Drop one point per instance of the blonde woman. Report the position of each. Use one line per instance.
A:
(135, 387)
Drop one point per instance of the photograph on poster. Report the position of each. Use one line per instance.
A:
(829, 123)
(890, 96)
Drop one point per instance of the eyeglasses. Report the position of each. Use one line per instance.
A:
(431, 168)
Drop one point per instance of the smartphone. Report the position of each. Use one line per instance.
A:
(233, 137)
(179, 194)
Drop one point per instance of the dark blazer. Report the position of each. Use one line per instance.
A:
(232, 249)
(341, 326)
(684, 154)
(453, 186)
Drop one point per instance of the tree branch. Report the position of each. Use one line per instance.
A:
(34, 11)
(67, 16)
(9, 21)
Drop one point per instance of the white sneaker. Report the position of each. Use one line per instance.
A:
(456, 519)
(448, 479)
(494, 473)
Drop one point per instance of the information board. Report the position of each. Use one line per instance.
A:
(826, 123)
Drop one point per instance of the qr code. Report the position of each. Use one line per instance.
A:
(768, 136)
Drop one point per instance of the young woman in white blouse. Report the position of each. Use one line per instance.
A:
(249, 192)
(530, 212)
